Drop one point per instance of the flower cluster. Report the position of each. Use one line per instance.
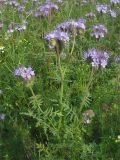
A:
(55, 37)
(21, 8)
(115, 1)
(12, 3)
(47, 8)
(102, 8)
(25, 73)
(98, 57)
(72, 25)
(113, 13)
(17, 27)
(99, 31)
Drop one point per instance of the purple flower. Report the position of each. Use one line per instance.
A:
(25, 73)
(56, 36)
(67, 26)
(72, 25)
(113, 13)
(2, 116)
(38, 14)
(81, 24)
(21, 27)
(47, 8)
(21, 8)
(102, 8)
(115, 1)
(13, 3)
(97, 57)
(90, 15)
(11, 28)
(99, 31)
(117, 59)
(24, 1)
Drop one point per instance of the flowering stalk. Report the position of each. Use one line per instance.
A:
(62, 85)
(34, 98)
(86, 90)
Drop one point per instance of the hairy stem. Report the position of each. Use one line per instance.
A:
(86, 90)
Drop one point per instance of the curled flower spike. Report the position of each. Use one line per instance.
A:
(57, 38)
(102, 8)
(97, 57)
(25, 73)
(99, 31)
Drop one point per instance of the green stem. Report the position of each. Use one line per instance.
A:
(33, 94)
(73, 45)
(61, 93)
(35, 98)
(86, 90)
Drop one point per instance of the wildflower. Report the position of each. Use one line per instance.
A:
(81, 24)
(117, 59)
(21, 8)
(25, 73)
(97, 57)
(56, 37)
(88, 115)
(90, 15)
(47, 8)
(13, 3)
(2, 116)
(72, 26)
(113, 13)
(11, 28)
(102, 8)
(99, 31)
(24, 1)
(38, 14)
(21, 27)
(115, 1)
